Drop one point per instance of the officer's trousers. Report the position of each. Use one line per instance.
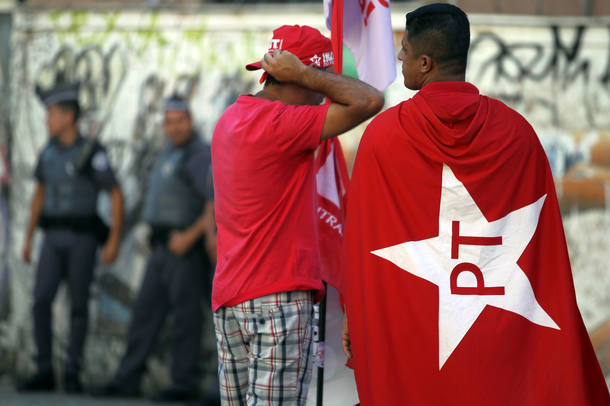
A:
(174, 285)
(68, 255)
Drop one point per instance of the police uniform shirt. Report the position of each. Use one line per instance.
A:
(198, 169)
(65, 182)
(179, 185)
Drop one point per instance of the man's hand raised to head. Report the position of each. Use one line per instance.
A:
(353, 101)
(283, 66)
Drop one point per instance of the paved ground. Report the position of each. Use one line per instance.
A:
(9, 397)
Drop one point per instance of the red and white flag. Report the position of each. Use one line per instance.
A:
(369, 36)
(331, 180)
(458, 285)
(365, 27)
(367, 32)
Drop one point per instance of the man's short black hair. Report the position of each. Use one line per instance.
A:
(441, 31)
(70, 106)
(271, 80)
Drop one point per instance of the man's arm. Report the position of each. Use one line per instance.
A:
(181, 241)
(346, 341)
(210, 232)
(36, 207)
(111, 247)
(353, 101)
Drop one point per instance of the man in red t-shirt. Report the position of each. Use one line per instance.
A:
(268, 271)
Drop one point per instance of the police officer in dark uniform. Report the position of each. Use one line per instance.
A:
(70, 172)
(179, 208)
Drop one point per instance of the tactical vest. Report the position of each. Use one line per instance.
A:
(69, 191)
(170, 200)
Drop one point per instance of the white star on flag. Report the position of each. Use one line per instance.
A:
(325, 180)
(316, 60)
(473, 262)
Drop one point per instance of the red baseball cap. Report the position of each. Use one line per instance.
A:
(307, 43)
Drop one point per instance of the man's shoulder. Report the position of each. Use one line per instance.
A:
(198, 143)
(274, 109)
(503, 112)
(245, 107)
(87, 145)
(252, 102)
(49, 149)
(95, 145)
(198, 147)
(385, 118)
(48, 146)
(383, 128)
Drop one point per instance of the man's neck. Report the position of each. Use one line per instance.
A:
(67, 137)
(268, 92)
(458, 77)
(286, 93)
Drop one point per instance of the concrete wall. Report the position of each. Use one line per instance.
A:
(555, 72)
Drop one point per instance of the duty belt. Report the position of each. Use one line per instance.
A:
(81, 224)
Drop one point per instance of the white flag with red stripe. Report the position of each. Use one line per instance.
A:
(366, 29)
(367, 32)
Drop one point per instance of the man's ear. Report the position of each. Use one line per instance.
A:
(424, 63)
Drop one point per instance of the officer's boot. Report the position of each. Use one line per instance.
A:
(72, 382)
(40, 381)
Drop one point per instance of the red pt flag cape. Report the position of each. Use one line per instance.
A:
(458, 283)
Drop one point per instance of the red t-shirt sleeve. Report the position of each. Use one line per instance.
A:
(298, 128)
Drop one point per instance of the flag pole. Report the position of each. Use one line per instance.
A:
(321, 349)
(336, 35)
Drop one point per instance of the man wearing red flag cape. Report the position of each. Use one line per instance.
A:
(458, 283)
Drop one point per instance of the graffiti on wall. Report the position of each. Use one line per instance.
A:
(558, 77)
(562, 62)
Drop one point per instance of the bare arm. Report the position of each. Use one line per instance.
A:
(36, 207)
(181, 241)
(111, 248)
(353, 101)
(346, 340)
(210, 231)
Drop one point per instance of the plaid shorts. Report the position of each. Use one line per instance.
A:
(264, 350)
